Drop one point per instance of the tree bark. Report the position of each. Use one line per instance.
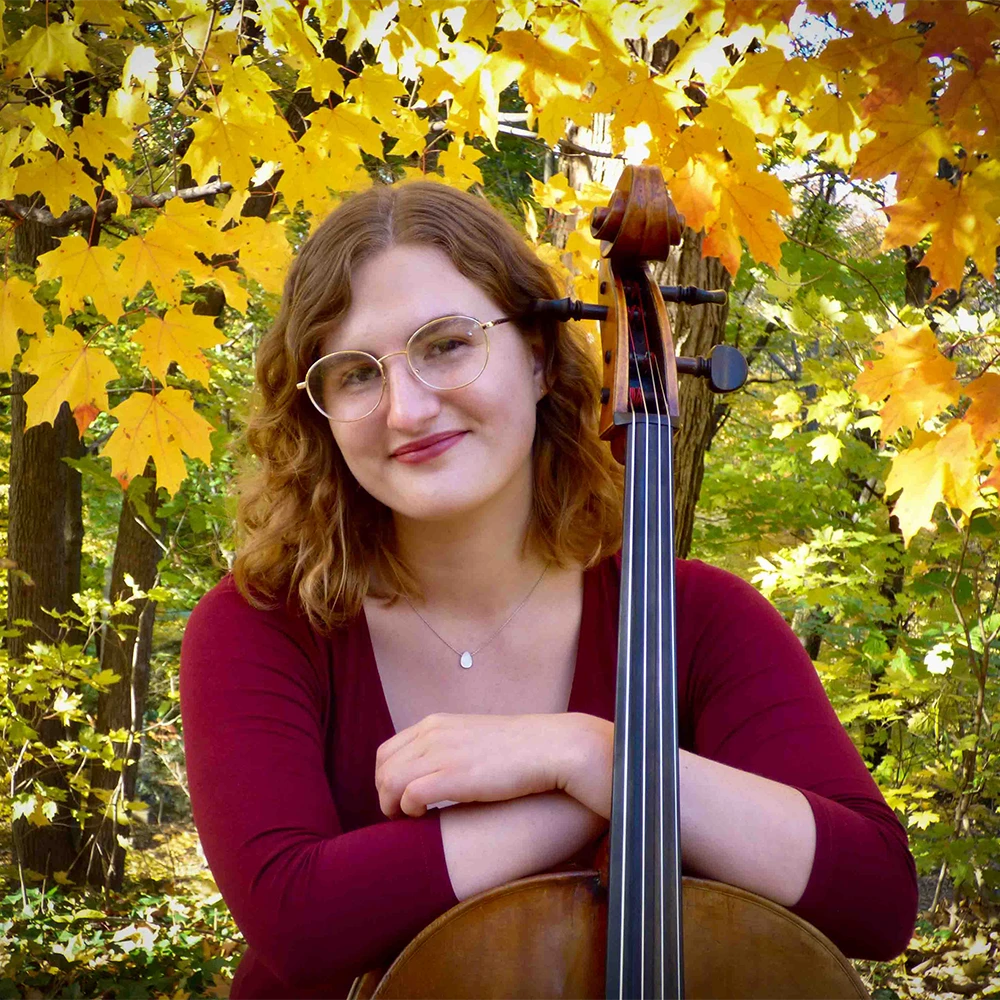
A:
(123, 706)
(696, 329)
(45, 533)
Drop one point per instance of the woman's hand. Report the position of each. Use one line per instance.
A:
(481, 758)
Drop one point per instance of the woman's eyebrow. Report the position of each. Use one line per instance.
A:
(363, 341)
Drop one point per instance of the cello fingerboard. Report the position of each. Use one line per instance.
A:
(645, 949)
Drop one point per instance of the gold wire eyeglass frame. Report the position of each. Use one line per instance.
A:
(304, 384)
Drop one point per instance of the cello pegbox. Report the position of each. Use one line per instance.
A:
(639, 224)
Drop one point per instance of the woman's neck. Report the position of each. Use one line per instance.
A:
(475, 565)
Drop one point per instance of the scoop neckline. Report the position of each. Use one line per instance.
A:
(585, 640)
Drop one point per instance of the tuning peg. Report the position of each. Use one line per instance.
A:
(725, 368)
(691, 295)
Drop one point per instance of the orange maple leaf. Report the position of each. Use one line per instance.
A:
(992, 481)
(972, 104)
(909, 143)
(918, 379)
(961, 218)
(954, 27)
(983, 416)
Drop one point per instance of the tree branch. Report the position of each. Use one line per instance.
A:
(83, 215)
(850, 267)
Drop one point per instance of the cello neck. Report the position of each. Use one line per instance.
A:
(645, 950)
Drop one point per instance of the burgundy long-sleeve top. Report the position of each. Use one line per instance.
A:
(281, 728)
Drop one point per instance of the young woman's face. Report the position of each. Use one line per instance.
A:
(489, 425)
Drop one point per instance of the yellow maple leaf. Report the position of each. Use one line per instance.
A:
(459, 163)
(228, 280)
(746, 201)
(647, 100)
(836, 116)
(553, 65)
(98, 137)
(224, 143)
(159, 255)
(161, 426)
(49, 51)
(86, 272)
(18, 311)
(48, 125)
(406, 126)
(129, 105)
(352, 127)
(474, 19)
(961, 218)
(179, 335)
(322, 77)
(141, 65)
(936, 468)
(375, 93)
(69, 370)
(10, 147)
(56, 180)
(918, 379)
(116, 185)
(264, 251)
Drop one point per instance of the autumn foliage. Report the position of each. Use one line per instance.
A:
(914, 97)
(180, 151)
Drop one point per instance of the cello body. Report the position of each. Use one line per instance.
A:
(545, 936)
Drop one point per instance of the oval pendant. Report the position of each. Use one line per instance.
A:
(466, 660)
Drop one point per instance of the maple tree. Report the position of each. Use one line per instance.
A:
(887, 95)
(181, 150)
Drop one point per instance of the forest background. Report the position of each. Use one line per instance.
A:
(160, 163)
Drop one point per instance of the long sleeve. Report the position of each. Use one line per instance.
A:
(315, 904)
(756, 703)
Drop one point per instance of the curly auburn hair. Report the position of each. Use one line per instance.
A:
(308, 533)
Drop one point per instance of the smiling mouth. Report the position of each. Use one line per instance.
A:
(429, 446)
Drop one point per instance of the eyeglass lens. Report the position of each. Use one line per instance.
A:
(446, 354)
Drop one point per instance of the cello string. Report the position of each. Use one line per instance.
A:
(626, 713)
(637, 292)
(660, 402)
(676, 883)
(659, 651)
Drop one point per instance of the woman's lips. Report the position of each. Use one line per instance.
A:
(427, 448)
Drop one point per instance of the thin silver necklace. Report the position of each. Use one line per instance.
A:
(465, 658)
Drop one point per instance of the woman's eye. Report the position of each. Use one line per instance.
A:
(361, 375)
(445, 345)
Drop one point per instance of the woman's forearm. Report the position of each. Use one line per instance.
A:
(736, 827)
(746, 830)
(489, 843)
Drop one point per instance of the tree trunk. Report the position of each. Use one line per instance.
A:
(45, 533)
(696, 329)
(123, 706)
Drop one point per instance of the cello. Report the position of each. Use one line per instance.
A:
(634, 927)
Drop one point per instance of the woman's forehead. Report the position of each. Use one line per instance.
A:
(389, 302)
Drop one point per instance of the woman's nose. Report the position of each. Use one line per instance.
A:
(411, 403)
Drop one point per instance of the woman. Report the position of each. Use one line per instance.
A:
(421, 625)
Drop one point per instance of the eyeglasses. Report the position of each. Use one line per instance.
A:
(449, 352)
